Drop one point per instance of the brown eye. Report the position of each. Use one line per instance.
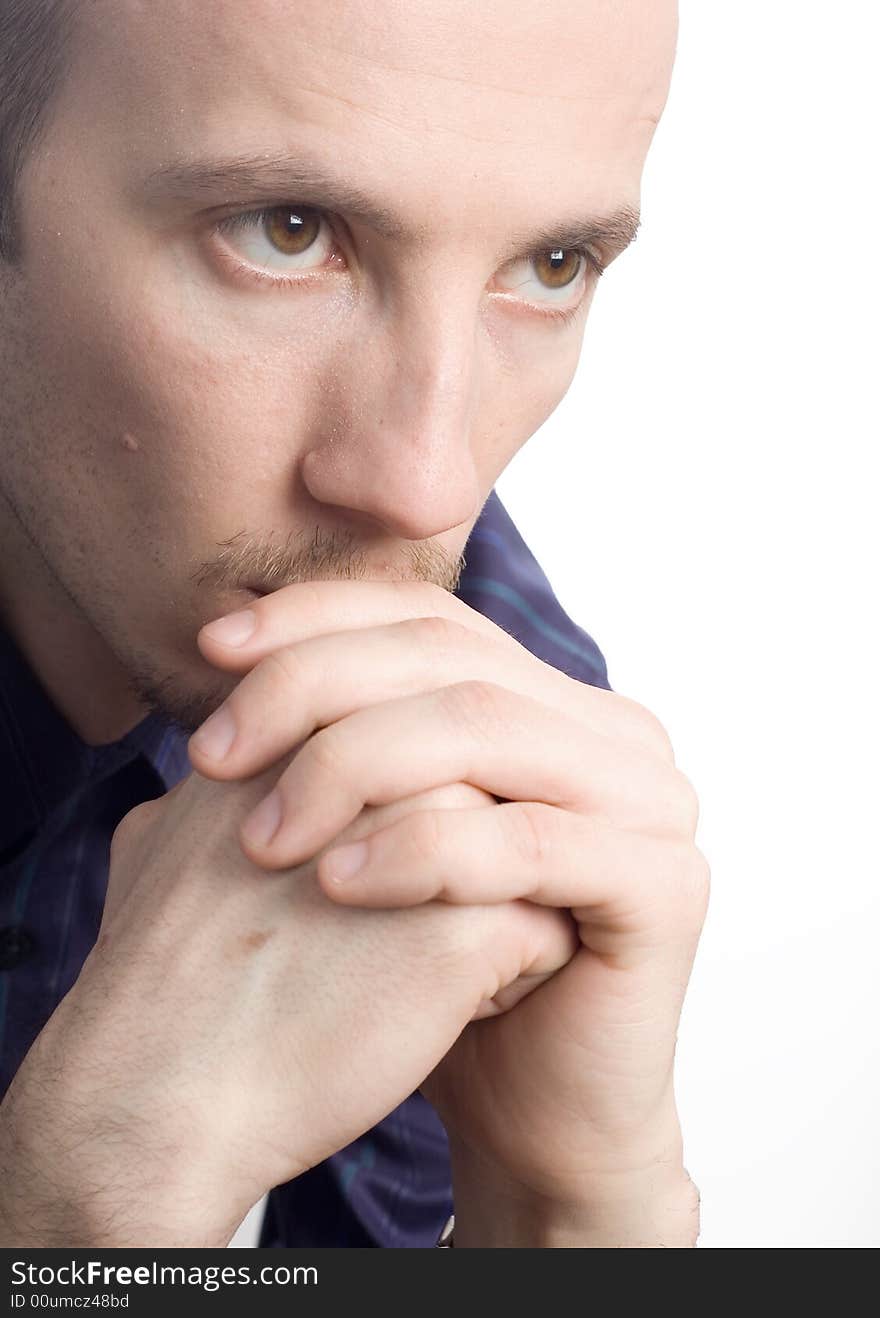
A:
(292, 231)
(558, 268)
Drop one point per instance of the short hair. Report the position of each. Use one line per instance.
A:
(35, 41)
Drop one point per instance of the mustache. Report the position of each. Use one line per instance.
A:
(248, 559)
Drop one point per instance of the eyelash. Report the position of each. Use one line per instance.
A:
(244, 219)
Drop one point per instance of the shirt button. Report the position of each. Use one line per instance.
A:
(16, 945)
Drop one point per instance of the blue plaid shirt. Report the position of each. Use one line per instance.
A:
(60, 803)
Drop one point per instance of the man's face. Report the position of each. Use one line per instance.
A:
(320, 391)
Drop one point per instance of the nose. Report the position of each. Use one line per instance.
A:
(396, 444)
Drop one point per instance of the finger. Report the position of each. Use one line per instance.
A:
(609, 878)
(300, 688)
(509, 745)
(531, 946)
(312, 608)
(308, 609)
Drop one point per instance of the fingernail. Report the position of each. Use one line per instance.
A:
(233, 629)
(262, 824)
(344, 862)
(216, 735)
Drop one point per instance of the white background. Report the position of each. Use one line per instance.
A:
(707, 511)
(703, 501)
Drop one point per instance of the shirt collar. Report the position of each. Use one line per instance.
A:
(43, 761)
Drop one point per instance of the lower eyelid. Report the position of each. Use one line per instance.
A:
(546, 311)
(242, 269)
(239, 268)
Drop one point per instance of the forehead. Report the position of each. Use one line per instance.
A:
(502, 89)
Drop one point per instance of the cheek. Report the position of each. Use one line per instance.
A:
(534, 370)
(184, 425)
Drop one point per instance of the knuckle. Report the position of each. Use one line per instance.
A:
(476, 705)
(325, 751)
(284, 668)
(438, 636)
(702, 873)
(651, 730)
(659, 738)
(427, 836)
(698, 882)
(448, 937)
(530, 835)
(436, 630)
(466, 933)
(689, 802)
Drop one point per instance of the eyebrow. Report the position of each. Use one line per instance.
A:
(252, 179)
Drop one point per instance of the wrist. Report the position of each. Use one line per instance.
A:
(51, 1198)
(655, 1207)
(44, 1215)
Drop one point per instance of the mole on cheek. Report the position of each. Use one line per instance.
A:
(129, 442)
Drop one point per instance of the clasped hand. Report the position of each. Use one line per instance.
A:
(386, 690)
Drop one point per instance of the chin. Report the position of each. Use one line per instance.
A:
(184, 694)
